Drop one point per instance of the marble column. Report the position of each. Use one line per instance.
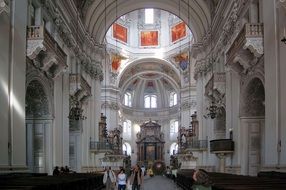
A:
(232, 112)
(97, 77)
(96, 92)
(61, 121)
(272, 83)
(221, 157)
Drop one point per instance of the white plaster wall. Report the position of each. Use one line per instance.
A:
(282, 78)
(4, 81)
(12, 84)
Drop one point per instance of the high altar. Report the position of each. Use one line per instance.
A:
(150, 143)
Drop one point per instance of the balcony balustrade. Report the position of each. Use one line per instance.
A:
(222, 146)
(96, 146)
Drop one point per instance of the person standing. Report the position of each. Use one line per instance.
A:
(122, 179)
(109, 179)
(136, 179)
(143, 169)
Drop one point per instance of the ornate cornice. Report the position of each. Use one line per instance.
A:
(186, 105)
(34, 47)
(255, 45)
(79, 86)
(247, 49)
(215, 87)
(282, 3)
(110, 105)
(202, 66)
(72, 32)
(94, 69)
(4, 7)
(53, 59)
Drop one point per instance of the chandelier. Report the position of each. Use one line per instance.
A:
(76, 110)
(284, 36)
(212, 110)
(212, 107)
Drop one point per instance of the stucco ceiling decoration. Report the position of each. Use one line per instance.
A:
(144, 67)
(94, 17)
(150, 76)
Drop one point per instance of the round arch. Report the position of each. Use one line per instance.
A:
(133, 64)
(174, 148)
(253, 92)
(195, 13)
(46, 85)
(168, 78)
(126, 148)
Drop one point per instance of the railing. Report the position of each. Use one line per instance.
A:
(254, 30)
(100, 146)
(250, 30)
(147, 112)
(35, 32)
(222, 146)
(198, 145)
(38, 33)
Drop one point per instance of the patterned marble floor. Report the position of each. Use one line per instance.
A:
(157, 183)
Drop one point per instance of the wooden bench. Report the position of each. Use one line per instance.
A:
(75, 181)
(223, 181)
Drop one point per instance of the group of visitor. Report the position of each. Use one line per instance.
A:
(59, 171)
(120, 181)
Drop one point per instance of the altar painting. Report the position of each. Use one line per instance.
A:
(150, 152)
(178, 31)
(120, 32)
(149, 38)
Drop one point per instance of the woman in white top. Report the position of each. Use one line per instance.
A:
(121, 180)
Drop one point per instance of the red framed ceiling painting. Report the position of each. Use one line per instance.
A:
(178, 31)
(149, 38)
(120, 32)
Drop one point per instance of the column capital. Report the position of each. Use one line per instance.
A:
(99, 52)
(96, 70)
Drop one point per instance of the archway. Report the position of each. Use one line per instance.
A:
(252, 125)
(174, 149)
(126, 148)
(38, 128)
(195, 13)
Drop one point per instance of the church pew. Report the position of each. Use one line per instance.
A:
(67, 181)
(223, 181)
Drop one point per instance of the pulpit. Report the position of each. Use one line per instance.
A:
(150, 143)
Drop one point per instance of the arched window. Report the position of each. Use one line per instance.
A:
(173, 149)
(149, 16)
(127, 99)
(174, 126)
(150, 101)
(173, 99)
(127, 128)
(126, 148)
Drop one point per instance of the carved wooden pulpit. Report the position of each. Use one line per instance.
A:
(150, 143)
